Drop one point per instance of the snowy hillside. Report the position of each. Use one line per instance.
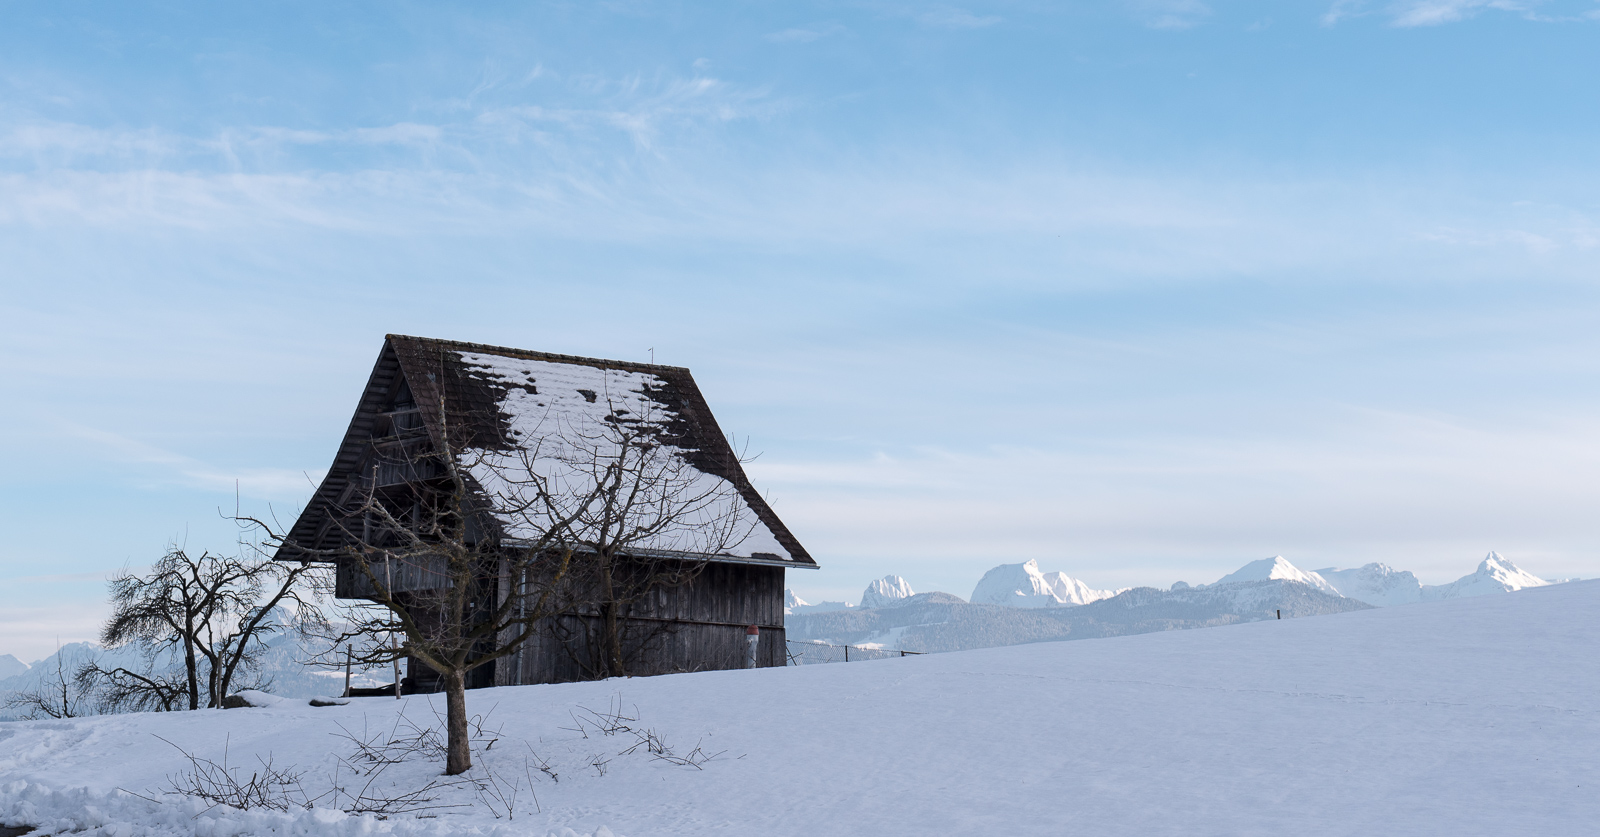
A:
(1460, 717)
(1023, 585)
(934, 622)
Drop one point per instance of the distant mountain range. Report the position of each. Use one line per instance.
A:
(1017, 603)
(941, 622)
(1382, 585)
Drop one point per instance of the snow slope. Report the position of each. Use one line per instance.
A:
(1459, 717)
(1023, 585)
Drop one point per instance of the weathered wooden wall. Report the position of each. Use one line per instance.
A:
(408, 575)
(699, 626)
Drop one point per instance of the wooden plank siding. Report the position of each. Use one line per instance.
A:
(697, 627)
(407, 576)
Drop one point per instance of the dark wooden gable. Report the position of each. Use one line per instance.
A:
(432, 382)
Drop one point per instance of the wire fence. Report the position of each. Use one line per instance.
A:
(806, 653)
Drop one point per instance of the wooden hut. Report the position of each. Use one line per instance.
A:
(423, 389)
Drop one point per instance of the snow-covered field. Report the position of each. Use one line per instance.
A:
(1466, 716)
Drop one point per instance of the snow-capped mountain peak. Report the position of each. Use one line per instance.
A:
(1023, 585)
(1277, 568)
(1512, 577)
(1072, 591)
(886, 592)
(791, 601)
(1495, 574)
(1375, 584)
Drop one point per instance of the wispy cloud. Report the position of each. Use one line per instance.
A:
(952, 18)
(637, 107)
(806, 34)
(1170, 14)
(1435, 12)
(265, 483)
(1342, 9)
(1416, 13)
(646, 109)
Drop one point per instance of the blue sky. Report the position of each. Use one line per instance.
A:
(1143, 290)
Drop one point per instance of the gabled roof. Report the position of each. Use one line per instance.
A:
(499, 398)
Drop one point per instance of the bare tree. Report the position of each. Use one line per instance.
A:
(467, 547)
(56, 696)
(212, 613)
(426, 554)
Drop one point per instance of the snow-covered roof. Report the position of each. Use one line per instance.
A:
(513, 412)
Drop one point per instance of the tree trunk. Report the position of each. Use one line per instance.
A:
(193, 671)
(610, 630)
(458, 758)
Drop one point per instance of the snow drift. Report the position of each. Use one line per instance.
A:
(1460, 717)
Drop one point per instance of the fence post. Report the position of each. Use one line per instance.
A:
(752, 636)
(388, 590)
(346, 671)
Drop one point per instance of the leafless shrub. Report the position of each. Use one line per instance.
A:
(284, 789)
(269, 787)
(407, 740)
(500, 793)
(614, 722)
(368, 800)
(609, 722)
(694, 758)
(542, 765)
